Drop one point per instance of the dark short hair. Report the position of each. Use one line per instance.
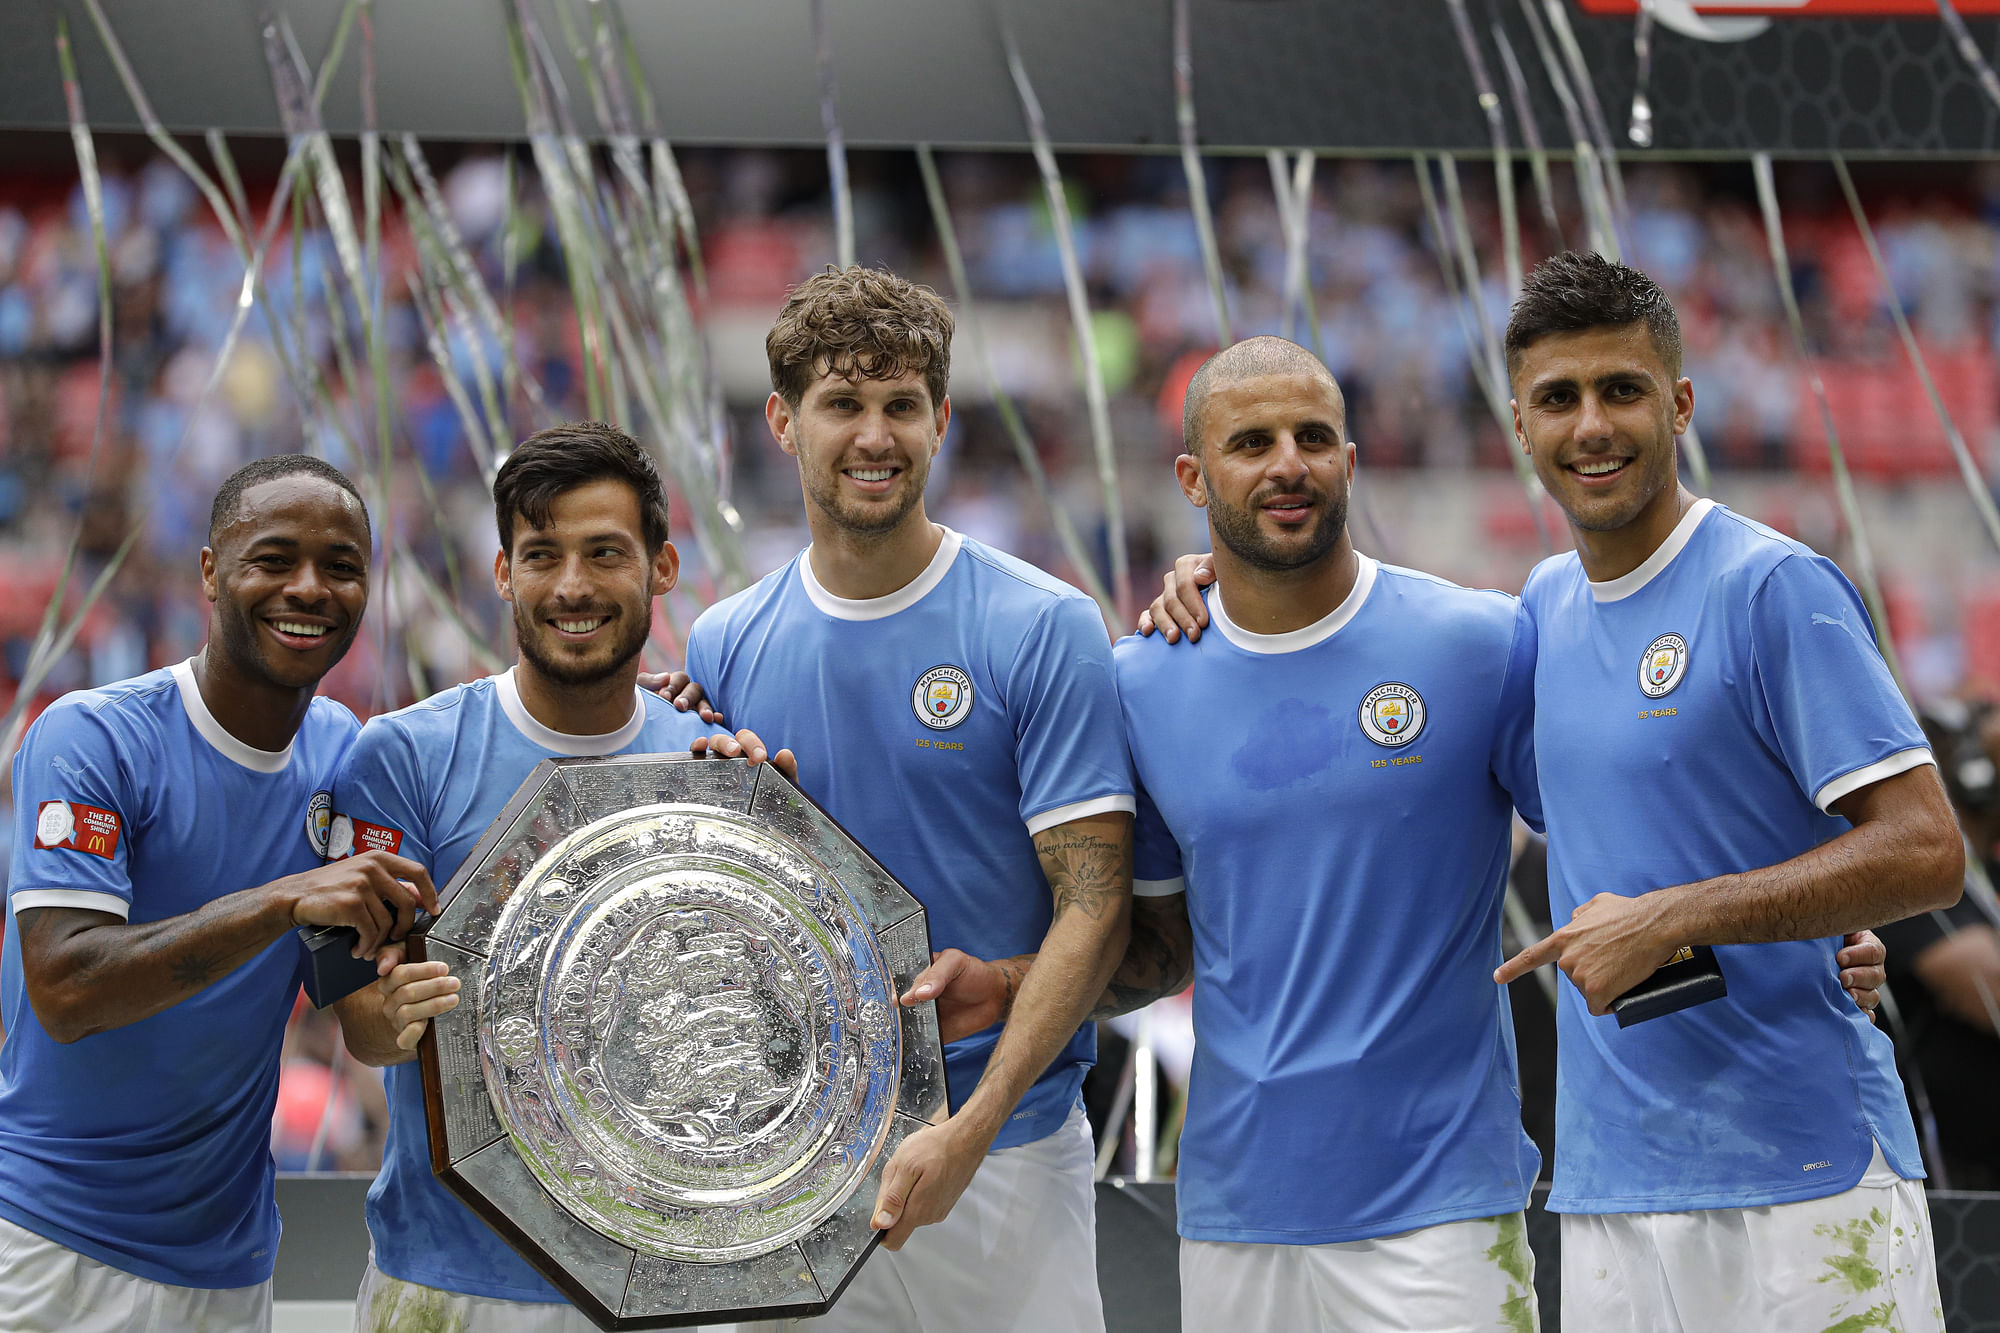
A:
(1262, 354)
(228, 504)
(864, 323)
(561, 458)
(1577, 290)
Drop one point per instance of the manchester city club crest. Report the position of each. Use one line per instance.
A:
(1665, 662)
(942, 697)
(1392, 714)
(319, 816)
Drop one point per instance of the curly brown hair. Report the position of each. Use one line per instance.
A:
(862, 323)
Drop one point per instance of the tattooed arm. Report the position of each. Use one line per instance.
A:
(90, 972)
(1088, 863)
(973, 994)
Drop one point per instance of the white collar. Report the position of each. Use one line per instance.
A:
(875, 608)
(1618, 589)
(1291, 641)
(259, 761)
(561, 742)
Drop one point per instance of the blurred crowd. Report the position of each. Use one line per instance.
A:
(1387, 323)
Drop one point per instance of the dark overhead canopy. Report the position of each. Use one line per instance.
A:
(1371, 76)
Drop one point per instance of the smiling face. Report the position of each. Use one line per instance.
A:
(582, 587)
(1274, 468)
(1597, 411)
(864, 449)
(287, 580)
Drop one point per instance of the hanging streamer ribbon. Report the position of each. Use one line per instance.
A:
(1531, 134)
(836, 142)
(1503, 157)
(1639, 125)
(1086, 334)
(1968, 50)
(1968, 468)
(1591, 186)
(1197, 179)
(1292, 186)
(1010, 417)
(1843, 481)
(1468, 302)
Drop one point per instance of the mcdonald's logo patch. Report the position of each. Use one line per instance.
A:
(72, 826)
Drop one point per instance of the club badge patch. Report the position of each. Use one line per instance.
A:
(1665, 662)
(319, 817)
(75, 827)
(942, 697)
(1392, 714)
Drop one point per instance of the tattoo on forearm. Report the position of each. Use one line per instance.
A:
(1086, 872)
(1159, 958)
(192, 971)
(1012, 972)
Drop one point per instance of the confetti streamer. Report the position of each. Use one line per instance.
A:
(1843, 481)
(1639, 125)
(1468, 301)
(1968, 50)
(1086, 336)
(1968, 467)
(1503, 157)
(1010, 416)
(1197, 178)
(1293, 188)
(1531, 134)
(1591, 186)
(836, 142)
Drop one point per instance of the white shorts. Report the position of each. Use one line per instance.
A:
(1455, 1277)
(1017, 1255)
(50, 1288)
(389, 1305)
(1861, 1259)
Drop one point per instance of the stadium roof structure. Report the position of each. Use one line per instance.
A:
(1355, 76)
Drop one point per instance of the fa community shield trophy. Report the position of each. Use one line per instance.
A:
(677, 1067)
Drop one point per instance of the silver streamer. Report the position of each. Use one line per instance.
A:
(1010, 416)
(1197, 179)
(1086, 335)
(1843, 481)
(1968, 468)
(836, 142)
(1468, 301)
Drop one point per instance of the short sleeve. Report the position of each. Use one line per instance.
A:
(1835, 712)
(1156, 857)
(701, 662)
(378, 798)
(1514, 728)
(1069, 741)
(74, 808)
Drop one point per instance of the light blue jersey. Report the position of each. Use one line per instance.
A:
(943, 726)
(425, 783)
(1336, 803)
(148, 1147)
(1699, 717)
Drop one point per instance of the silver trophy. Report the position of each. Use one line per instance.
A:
(677, 1067)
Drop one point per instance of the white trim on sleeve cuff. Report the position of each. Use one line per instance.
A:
(1900, 762)
(1159, 888)
(86, 899)
(1063, 814)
